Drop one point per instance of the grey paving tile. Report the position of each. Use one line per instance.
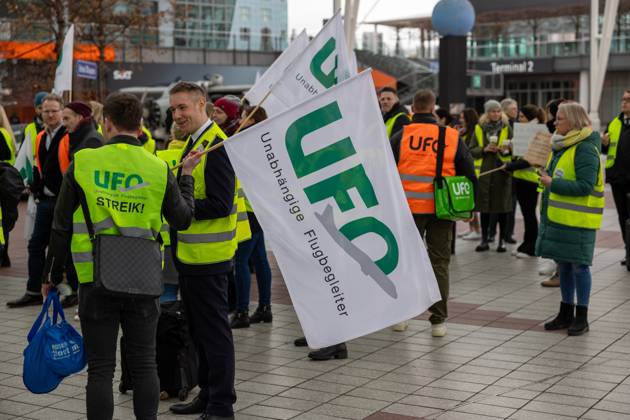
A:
(411, 410)
(53, 414)
(604, 415)
(485, 410)
(260, 388)
(359, 402)
(309, 395)
(554, 408)
(270, 412)
(534, 415)
(16, 408)
(290, 403)
(339, 411)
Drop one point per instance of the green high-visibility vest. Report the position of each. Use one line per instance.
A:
(124, 187)
(581, 212)
(171, 157)
(503, 135)
(2, 243)
(614, 132)
(9, 142)
(528, 174)
(243, 230)
(208, 241)
(390, 123)
(150, 145)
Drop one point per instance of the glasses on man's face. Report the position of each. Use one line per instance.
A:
(50, 111)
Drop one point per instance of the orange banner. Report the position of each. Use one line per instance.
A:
(16, 50)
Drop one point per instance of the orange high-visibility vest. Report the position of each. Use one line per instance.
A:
(63, 153)
(417, 162)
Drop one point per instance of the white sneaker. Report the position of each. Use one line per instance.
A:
(514, 253)
(438, 330)
(522, 255)
(548, 268)
(472, 236)
(400, 327)
(463, 235)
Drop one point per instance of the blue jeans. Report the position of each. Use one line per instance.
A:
(575, 279)
(254, 248)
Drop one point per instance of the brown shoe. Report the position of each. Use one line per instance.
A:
(554, 281)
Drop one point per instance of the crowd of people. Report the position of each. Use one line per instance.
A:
(212, 241)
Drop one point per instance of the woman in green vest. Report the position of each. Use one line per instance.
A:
(492, 150)
(468, 120)
(571, 212)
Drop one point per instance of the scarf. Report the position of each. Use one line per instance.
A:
(493, 128)
(573, 137)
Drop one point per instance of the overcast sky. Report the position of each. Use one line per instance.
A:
(309, 13)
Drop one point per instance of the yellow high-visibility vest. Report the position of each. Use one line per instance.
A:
(124, 187)
(614, 133)
(581, 212)
(208, 241)
(503, 135)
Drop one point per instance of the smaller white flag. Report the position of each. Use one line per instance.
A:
(323, 64)
(63, 75)
(24, 159)
(273, 74)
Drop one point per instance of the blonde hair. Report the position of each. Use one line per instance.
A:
(575, 114)
(97, 112)
(6, 124)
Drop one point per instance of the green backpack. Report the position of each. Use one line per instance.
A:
(454, 195)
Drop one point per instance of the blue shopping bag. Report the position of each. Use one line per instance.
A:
(54, 350)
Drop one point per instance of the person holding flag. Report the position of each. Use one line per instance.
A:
(204, 255)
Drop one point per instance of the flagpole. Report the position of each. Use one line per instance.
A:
(240, 127)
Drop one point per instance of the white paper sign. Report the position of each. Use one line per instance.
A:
(524, 133)
(325, 188)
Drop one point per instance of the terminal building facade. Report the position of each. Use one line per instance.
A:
(532, 51)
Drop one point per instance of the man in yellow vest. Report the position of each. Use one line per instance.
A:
(617, 139)
(204, 256)
(125, 191)
(395, 115)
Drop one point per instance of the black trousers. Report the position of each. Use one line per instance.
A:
(101, 316)
(527, 197)
(206, 303)
(501, 218)
(620, 195)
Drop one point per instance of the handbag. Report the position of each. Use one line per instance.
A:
(54, 351)
(454, 195)
(125, 265)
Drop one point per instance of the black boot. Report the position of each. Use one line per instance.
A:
(482, 247)
(580, 324)
(262, 314)
(240, 320)
(196, 406)
(501, 248)
(338, 351)
(563, 319)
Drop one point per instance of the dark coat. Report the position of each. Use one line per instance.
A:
(86, 136)
(494, 192)
(564, 243)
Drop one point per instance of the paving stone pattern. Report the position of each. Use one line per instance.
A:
(495, 362)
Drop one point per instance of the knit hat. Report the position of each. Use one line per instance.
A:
(229, 107)
(491, 105)
(80, 108)
(39, 98)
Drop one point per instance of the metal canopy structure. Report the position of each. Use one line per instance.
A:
(489, 11)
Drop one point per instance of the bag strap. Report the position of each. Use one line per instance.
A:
(86, 214)
(440, 154)
(57, 309)
(44, 312)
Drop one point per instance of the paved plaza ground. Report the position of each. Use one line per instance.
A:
(495, 362)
